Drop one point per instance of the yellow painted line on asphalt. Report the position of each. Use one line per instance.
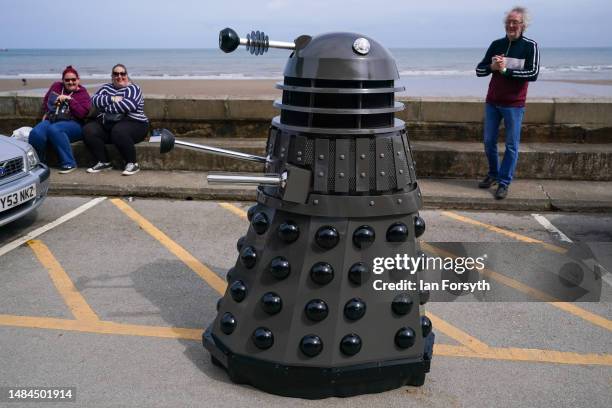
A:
(100, 327)
(526, 355)
(532, 292)
(510, 234)
(73, 298)
(440, 350)
(235, 209)
(457, 334)
(198, 267)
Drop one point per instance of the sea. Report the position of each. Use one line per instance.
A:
(424, 72)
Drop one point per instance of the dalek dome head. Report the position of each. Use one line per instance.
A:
(341, 56)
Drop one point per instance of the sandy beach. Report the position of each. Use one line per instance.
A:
(264, 88)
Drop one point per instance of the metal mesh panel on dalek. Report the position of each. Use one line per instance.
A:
(300, 316)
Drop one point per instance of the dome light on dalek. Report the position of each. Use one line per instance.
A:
(338, 188)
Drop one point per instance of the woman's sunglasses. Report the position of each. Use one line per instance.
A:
(118, 74)
(70, 79)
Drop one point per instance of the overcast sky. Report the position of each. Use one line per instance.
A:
(195, 24)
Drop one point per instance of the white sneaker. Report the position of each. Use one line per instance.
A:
(67, 169)
(131, 168)
(100, 166)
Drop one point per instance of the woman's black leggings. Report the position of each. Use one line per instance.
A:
(123, 134)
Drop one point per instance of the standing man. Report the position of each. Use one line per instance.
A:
(514, 60)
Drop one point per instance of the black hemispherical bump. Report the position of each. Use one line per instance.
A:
(425, 325)
(227, 323)
(423, 296)
(288, 232)
(251, 211)
(219, 303)
(350, 344)
(354, 309)
(322, 273)
(279, 267)
(359, 273)
(260, 223)
(327, 237)
(230, 274)
(238, 291)
(316, 310)
(402, 304)
(364, 236)
(248, 257)
(263, 338)
(405, 338)
(271, 303)
(311, 345)
(397, 232)
(240, 243)
(419, 226)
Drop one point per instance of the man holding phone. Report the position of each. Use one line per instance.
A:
(513, 61)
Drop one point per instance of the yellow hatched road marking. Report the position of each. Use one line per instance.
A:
(73, 298)
(534, 293)
(446, 350)
(459, 335)
(100, 327)
(198, 267)
(510, 234)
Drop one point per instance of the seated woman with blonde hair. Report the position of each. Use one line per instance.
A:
(121, 121)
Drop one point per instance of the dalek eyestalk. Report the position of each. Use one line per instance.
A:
(257, 42)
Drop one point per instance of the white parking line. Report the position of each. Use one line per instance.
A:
(39, 231)
(551, 228)
(605, 275)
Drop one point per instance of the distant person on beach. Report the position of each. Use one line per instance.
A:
(514, 60)
(120, 121)
(24, 82)
(64, 108)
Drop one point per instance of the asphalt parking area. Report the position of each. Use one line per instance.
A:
(113, 301)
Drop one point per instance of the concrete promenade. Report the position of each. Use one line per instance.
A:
(566, 149)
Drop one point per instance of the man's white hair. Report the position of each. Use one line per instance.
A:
(522, 11)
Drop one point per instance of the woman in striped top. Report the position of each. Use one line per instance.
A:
(121, 121)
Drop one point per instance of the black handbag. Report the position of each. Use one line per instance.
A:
(62, 113)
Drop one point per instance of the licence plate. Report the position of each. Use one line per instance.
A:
(11, 200)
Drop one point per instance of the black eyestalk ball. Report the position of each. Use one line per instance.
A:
(229, 40)
(263, 338)
(364, 236)
(419, 226)
(311, 345)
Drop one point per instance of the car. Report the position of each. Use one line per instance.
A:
(24, 180)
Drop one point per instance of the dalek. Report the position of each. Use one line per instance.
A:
(303, 315)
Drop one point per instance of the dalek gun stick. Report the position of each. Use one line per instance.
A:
(301, 316)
